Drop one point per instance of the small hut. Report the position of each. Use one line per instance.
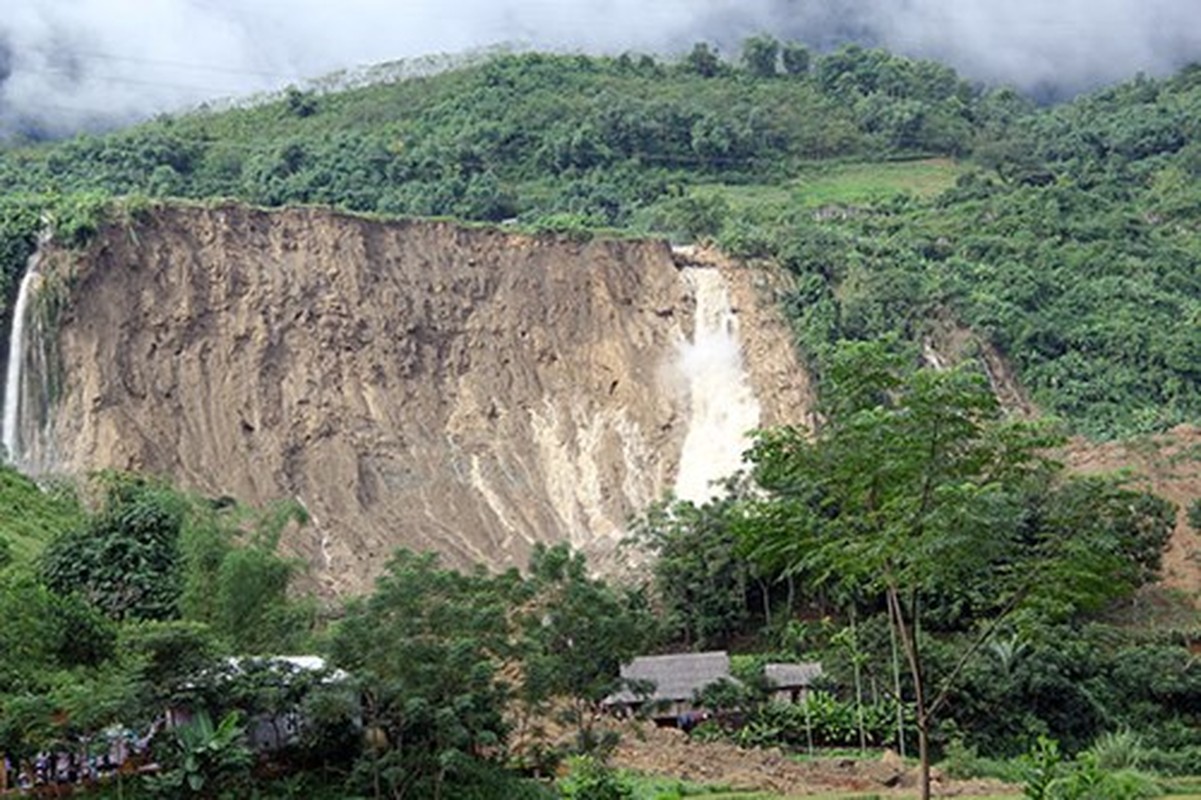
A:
(791, 682)
(293, 677)
(676, 679)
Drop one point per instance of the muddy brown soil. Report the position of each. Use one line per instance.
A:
(1169, 465)
(465, 390)
(671, 753)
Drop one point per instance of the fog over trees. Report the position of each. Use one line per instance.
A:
(70, 64)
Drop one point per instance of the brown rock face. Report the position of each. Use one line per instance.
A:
(411, 383)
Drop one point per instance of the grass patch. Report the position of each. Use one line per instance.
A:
(1184, 787)
(853, 184)
(30, 517)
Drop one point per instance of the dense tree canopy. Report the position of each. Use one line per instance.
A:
(915, 490)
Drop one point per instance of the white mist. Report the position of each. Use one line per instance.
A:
(723, 408)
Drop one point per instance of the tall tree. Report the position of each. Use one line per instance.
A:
(427, 646)
(761, 56)
(915, 486)
(795, 57)
(579, 632)
(125, 559)
(702, 579)
(703, 60)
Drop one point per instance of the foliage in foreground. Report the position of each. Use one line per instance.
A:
(1048, 775)
(442, 659)
(918, 506)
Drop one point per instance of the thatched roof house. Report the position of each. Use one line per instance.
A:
(792, 681)
(676, 679)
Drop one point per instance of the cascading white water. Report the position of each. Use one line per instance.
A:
(10, 435)
(723, 406)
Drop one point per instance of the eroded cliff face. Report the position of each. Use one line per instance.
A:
(411, 383)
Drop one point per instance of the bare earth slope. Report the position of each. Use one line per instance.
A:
(418, 383)
(1168, 464)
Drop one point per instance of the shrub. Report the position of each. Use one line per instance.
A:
(1194, 514)
(200, 760)
(592, 779)
(1049, 776)
(964, 762)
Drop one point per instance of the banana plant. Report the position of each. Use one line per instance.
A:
(201, 759)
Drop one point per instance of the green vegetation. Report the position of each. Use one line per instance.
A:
(823, 184)
(111, 625)
(915, 489)
(954, 581)
(30, 517)
(918, 506)
(142, 594)
(903, 199)
(590, 779)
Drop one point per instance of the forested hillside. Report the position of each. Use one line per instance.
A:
(1064, 237)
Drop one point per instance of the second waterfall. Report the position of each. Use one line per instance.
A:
(17, 394)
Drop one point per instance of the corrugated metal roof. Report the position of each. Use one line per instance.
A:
(676, 677)
(789, 676)
(290, 664)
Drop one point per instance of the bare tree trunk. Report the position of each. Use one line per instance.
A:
(923, 754)
(896, 682)
(907, 631)
(809, 725)
(371, 713)
(858, 681)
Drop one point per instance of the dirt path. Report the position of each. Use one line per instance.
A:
(668, 752)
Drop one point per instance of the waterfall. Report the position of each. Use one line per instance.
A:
(723, 406)
(14, 380)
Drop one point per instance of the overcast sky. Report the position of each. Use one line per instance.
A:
(65, 64)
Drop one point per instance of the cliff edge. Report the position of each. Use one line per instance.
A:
(416, 383)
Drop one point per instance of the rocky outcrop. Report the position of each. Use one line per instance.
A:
(467, 390)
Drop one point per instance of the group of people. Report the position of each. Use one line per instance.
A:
(120, 750)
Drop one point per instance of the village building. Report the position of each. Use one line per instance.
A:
(791, 683)
(289, 675)
(672, 683)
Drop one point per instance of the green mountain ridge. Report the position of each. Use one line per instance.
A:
(1066, 237)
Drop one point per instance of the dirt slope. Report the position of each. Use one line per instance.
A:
(418, 383)
(1168, 465)
(670, 753)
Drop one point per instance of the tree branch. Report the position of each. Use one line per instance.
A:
(944, 689)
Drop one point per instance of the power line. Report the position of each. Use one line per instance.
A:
(186, 65)
(100, 56)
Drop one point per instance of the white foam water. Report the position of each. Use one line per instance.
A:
(723, 408)
(14, 394)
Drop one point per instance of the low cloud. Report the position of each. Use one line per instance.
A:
(71, 64)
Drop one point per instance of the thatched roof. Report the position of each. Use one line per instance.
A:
(792, 676)
(676, 677)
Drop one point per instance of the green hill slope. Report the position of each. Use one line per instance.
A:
(902, 198)
(1075, 253)
(30, 517)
